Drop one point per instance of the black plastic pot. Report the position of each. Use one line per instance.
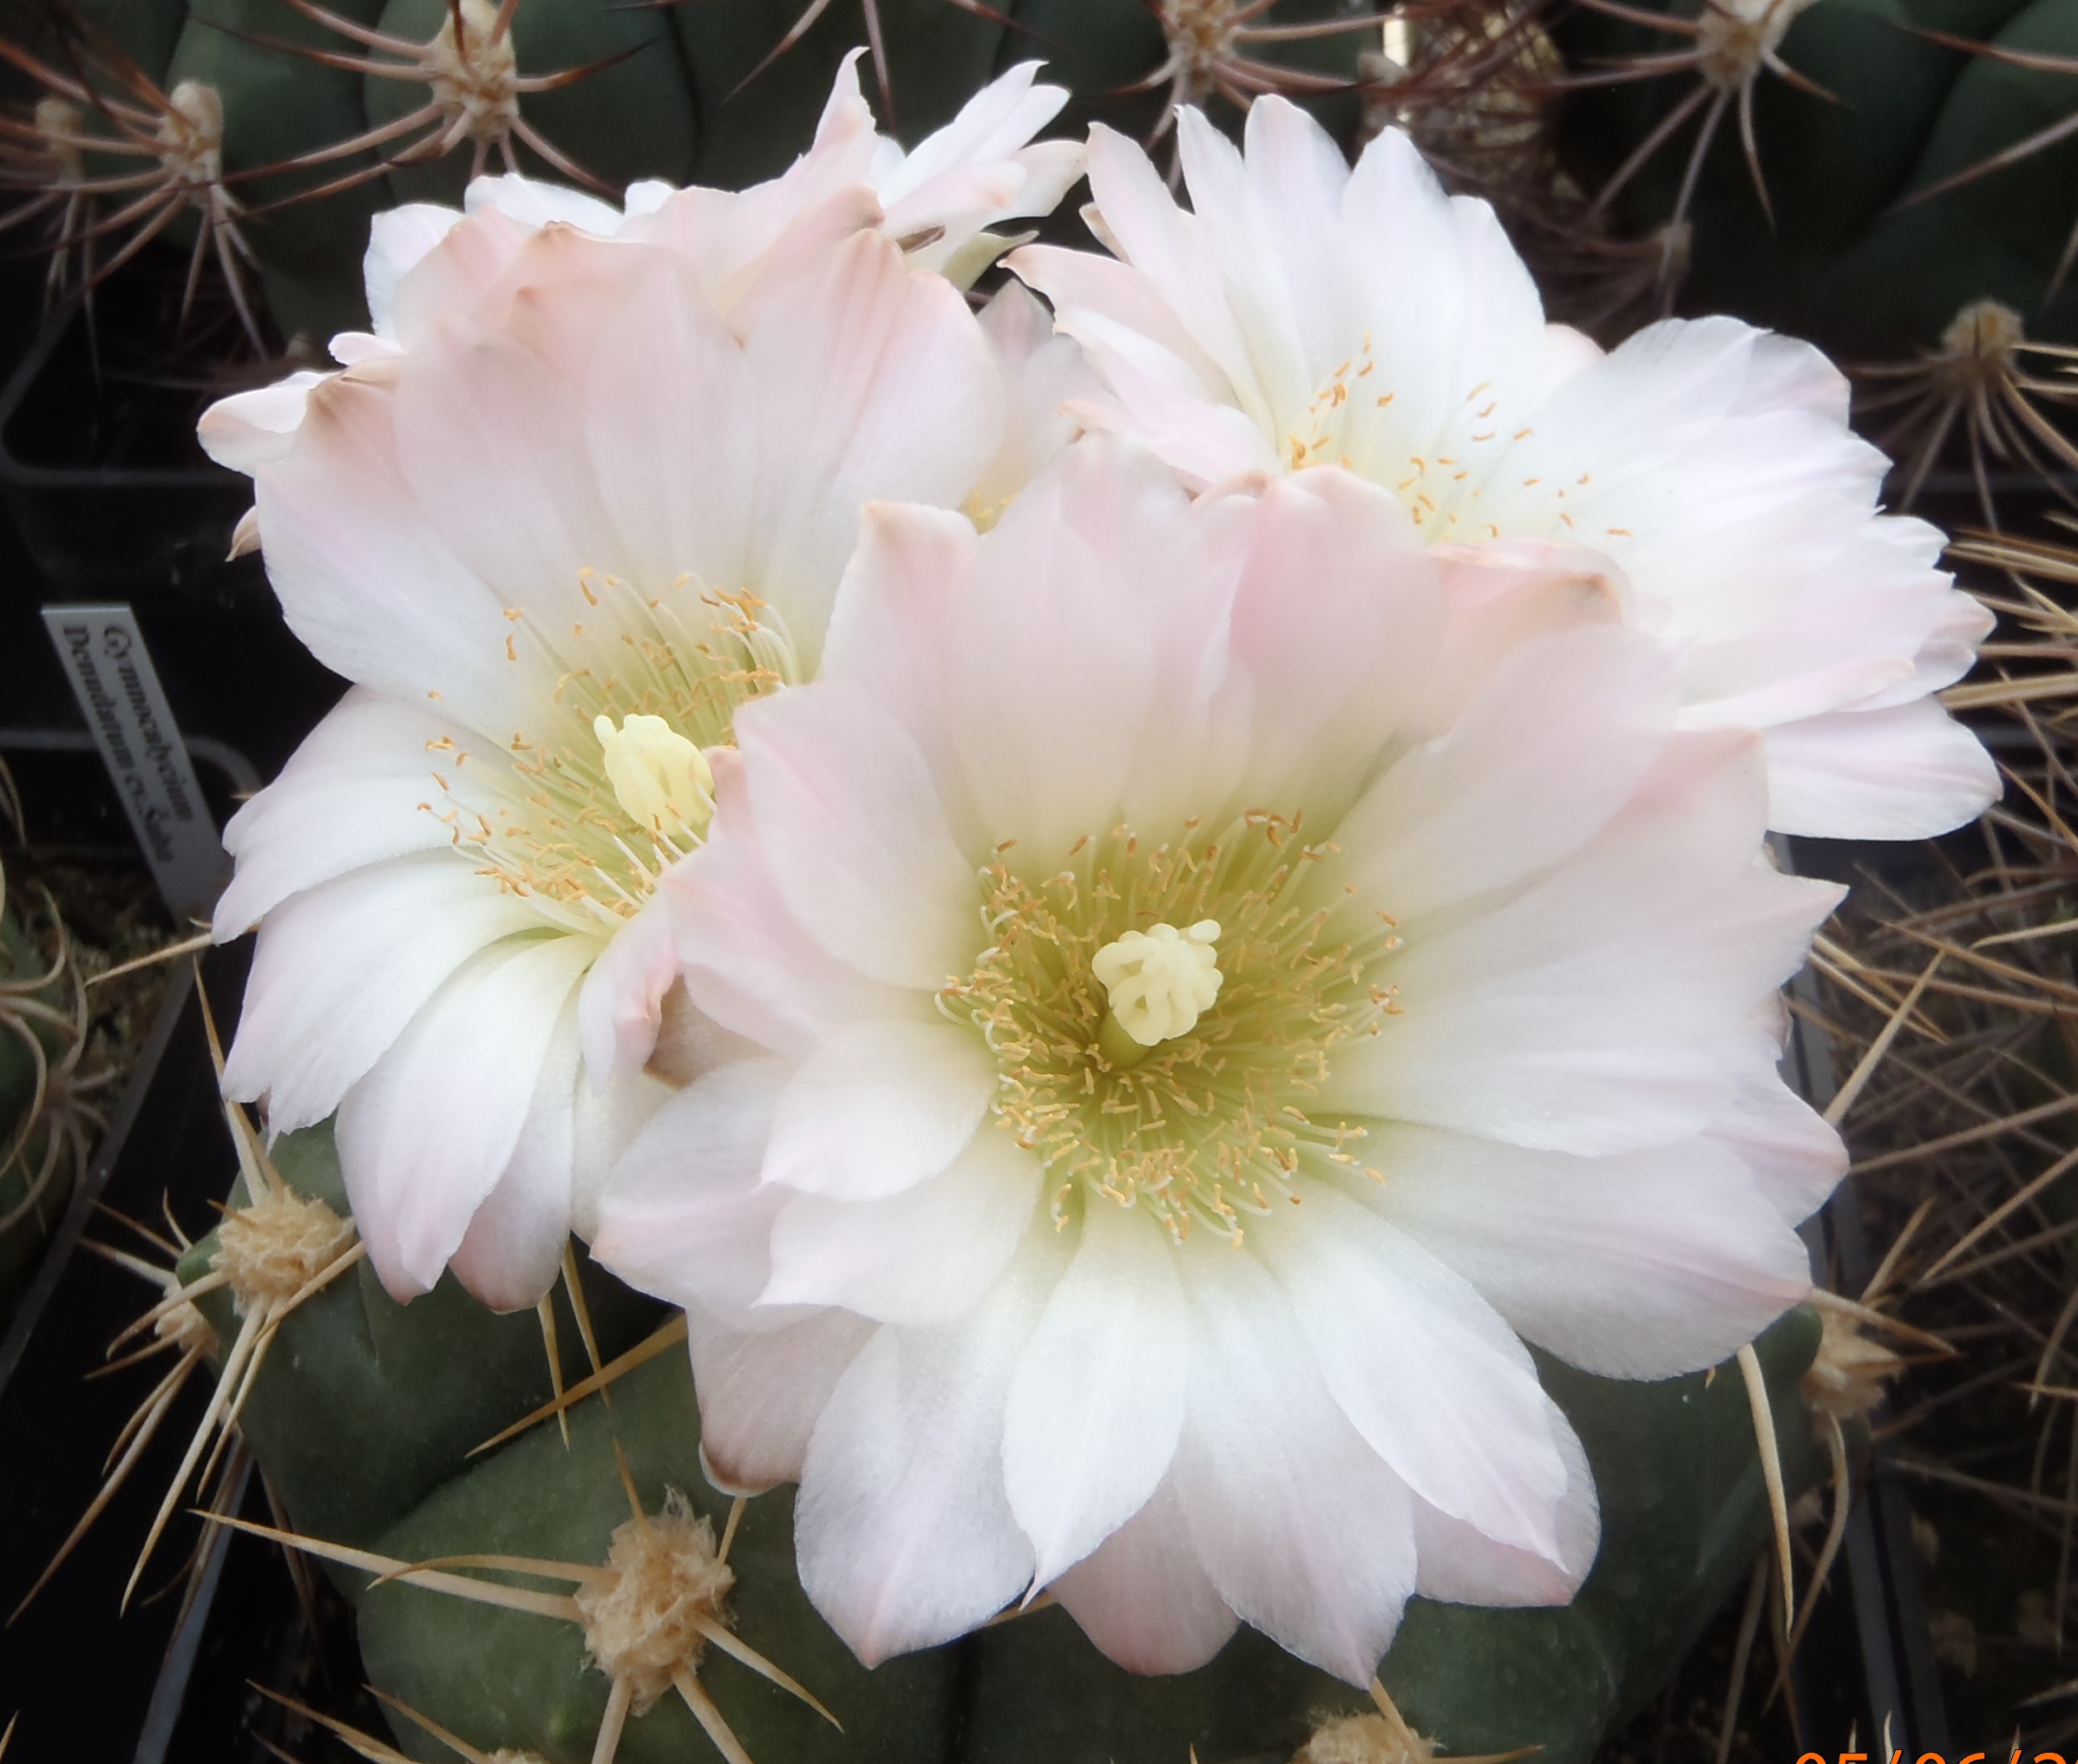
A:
(84, 1685)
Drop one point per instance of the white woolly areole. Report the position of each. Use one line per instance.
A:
(642, 1626)
(270, 1249)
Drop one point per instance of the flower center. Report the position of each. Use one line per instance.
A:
(660, 779)
(1160, 981)
(583, 812)
(1169, 1068)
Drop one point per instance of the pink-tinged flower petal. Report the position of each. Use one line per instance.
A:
(399, 240)
(1044, 374)
(1108, 307)
(992, 125)
(760, 1393)
(668, 400)
(903, 1534)
(749, 963)
(691, 1043)
(1643, 1265)
(738, 243)
(249, 429)
(1551, 747)
(1671, 934)
(535, 204)
(511, 1253)
(621, 1004)
(1908, 772)
(417, 1165)
(1794, 1157)
(950, 205)
(1141, 1597)
(1337, 619)
(875, 384)
(1097, 1406)
(925, 1256)
(1325, 1577)
(365, 582)
(1084, 733)
(602, 1127)
(683, 1216)
(1449, 313)
(1434, 1380)
(855, 838)
(447, 276)
(1156, 239)
(1504, 594)
(340, 969)
(348, 796)
(1462, 1566)
(1807, 695)
(898, 593)
(878, 1107)
(498, 443)
(1276, 208)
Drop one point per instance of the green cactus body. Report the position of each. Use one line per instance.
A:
(1842, 264)
(511, 1678)
(366, 1411)
(367, 1405)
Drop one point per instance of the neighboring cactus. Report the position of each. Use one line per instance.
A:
(365, 1415)
(47, 1121)
(1869, 149)
(322, 115)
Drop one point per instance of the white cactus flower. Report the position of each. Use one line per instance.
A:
(565, 521)
(1301, 314)
(1214, 980)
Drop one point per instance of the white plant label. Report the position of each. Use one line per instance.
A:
(104, 656)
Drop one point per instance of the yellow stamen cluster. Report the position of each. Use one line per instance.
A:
(269, 1251)
(1453, 496)
(1209, 1124)
(576, 821)
(645, 1624)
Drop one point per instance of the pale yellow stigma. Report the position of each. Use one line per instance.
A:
(1160, 980)
(661, 779)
